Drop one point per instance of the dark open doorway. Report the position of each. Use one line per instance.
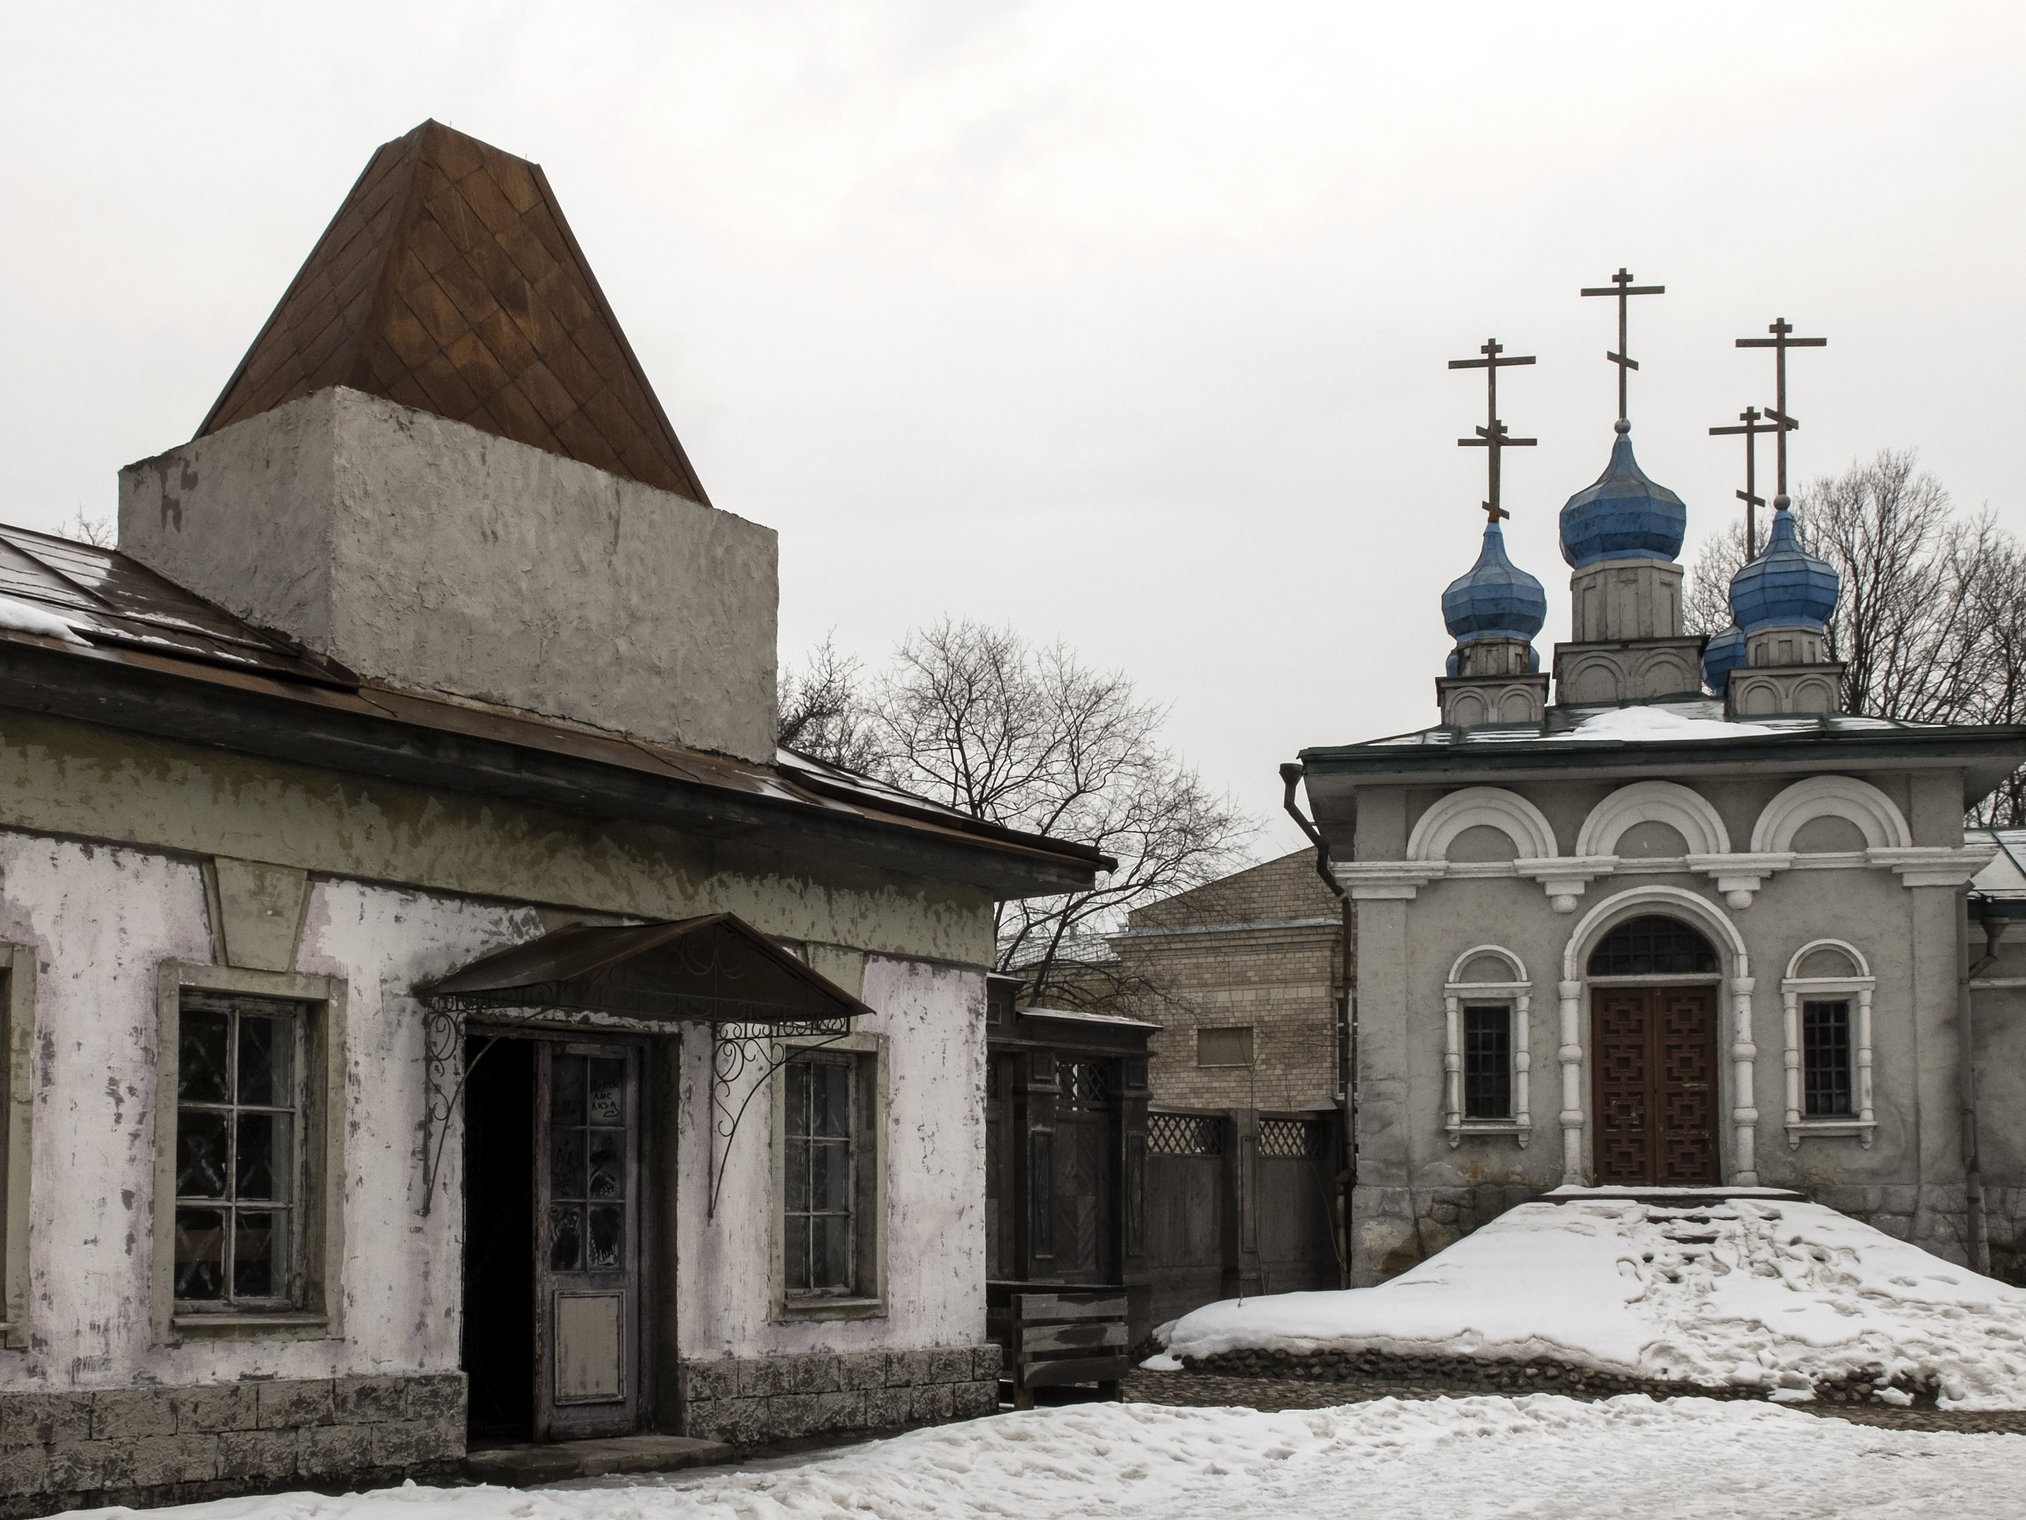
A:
(499, 1224)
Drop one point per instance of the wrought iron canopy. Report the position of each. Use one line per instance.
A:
(715, 970)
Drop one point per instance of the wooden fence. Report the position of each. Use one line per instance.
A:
(1241, 1202)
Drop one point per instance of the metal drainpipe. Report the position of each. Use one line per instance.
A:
(1973, 1172)
(1291, 777)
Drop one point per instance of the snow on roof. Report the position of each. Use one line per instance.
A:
(1651, 723)
(2005, 874)
(1747, 1293)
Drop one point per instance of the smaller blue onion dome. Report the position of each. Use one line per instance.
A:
(1785, 586)
(1724, 653)
(1624, 515)
(1496, 599)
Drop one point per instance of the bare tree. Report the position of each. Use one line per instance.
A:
(1929, 622)
(978, 719)
(820, 709)
(96, 531)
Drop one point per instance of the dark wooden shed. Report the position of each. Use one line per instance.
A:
(1069, 1290)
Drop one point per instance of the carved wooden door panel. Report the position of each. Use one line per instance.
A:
(1086, 1159)
(587, 1254)
(1653, 1055)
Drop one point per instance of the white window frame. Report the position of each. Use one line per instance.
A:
(1794, 991)
(319, 1211)
(869, 1056)
(1516, 993)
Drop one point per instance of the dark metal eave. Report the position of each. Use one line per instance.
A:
(1985, 753)
(383, 734)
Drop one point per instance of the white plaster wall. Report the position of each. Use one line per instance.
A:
(428, 554)
(934, 1017)
(100, 921)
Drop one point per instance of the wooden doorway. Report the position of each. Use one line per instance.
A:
(553, 1237)
(1654, 1060)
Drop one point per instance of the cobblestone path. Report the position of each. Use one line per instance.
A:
(1203, 1389)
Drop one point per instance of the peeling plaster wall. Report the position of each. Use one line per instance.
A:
(935, 1225)
(101, 918)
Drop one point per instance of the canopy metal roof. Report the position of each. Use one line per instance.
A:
(711, 970)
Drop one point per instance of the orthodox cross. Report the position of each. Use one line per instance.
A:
(1754, 423)
(1621, 286)
(1779, 343)
(1492, 436)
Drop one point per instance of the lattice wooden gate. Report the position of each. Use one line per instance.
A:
(1655, 1061)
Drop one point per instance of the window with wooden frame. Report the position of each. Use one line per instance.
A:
(249, 1163)
(1228, 1046)
(830, 1178)
(17, 1005)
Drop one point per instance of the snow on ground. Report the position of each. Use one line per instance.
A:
(1734, 1293)
(1442, 1459)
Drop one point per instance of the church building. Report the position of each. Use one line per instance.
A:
(1664, 915)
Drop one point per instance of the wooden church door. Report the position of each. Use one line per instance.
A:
(587, 1260)
(1653, 1052)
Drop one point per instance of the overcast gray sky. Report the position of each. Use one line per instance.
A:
(1125, 324)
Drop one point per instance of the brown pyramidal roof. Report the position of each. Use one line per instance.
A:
(449, 282)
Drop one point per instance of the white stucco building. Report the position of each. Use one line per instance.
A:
(435, 1010)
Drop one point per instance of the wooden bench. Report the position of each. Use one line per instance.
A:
(1054, 1340)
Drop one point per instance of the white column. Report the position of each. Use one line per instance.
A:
(1522, 1063)
(1744, 1117)
(1452, 1071)
(1572, 1083)
(1864, 1063)
(1791, 1002)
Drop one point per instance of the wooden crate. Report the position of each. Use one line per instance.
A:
(1056, 1339)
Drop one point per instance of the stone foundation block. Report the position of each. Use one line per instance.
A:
(750, 1400)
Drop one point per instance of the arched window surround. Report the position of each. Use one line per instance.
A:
(1734, 1012)
(1516, 993)
(1876, 816)
(1857, 987)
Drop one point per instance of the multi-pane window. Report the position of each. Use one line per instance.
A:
(1487, 1062)
(1654, 945)
(587, 1163)
(1825, 1058)
(238, 1136)
(819, 1245)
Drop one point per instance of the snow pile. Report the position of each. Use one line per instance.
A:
(20, 617)
(1746, 1293)
(1650, 723)
(1441, 1459)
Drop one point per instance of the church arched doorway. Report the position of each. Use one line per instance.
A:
(1653, 1055)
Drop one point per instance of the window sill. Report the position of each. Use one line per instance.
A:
(249, 1327)
(830, 1308)
(1830, 1129)
(1459, 1129)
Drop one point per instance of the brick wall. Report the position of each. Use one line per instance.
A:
(1262, 948)
(176, 1445)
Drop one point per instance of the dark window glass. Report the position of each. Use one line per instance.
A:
(238, 1112)
(819, 1202)
(1487, 1063)
(1652, 946)
(587, 1161)
(1825, 1058)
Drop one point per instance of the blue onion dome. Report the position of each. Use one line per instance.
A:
(1496, 599)
(1624, 515)
(1785, 586)
(1724, 653)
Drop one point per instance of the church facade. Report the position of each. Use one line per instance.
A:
(1664, 915)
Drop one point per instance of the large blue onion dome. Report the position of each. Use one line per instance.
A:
(1624, 515)
(1724, 653)
(1496, 599)
(1785, 586)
